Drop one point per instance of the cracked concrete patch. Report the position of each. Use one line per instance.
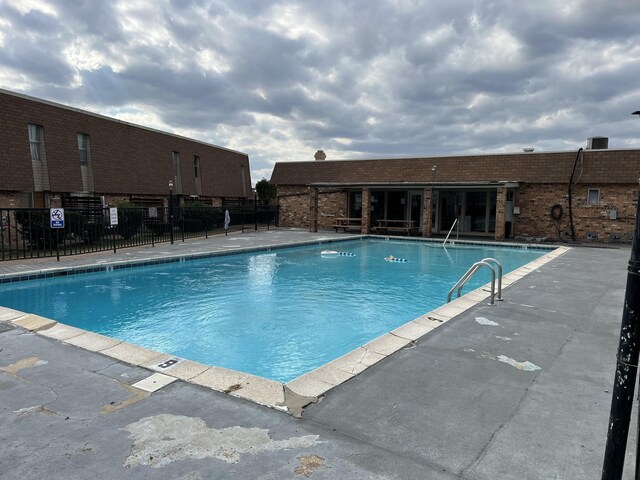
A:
(295, 402)
(136, 396)
(308, 465)
(23, 412)
(166, 438)
(28, 362)
(527, 366)
(486, 321)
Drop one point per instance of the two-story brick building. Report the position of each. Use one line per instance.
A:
(55, 155)
(589, 194)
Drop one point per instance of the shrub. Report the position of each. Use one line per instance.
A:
(130, 219)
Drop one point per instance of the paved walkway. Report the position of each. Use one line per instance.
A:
(520, 390)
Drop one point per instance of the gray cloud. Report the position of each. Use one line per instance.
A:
(279, 80)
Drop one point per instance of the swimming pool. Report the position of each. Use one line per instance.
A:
(276, 314)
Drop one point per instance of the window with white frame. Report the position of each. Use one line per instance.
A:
(593, 196)
(83, 148)
(35, 142)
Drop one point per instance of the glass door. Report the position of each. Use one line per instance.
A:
(415, 209)
(449, 206)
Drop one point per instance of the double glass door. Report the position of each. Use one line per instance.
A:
(475, 211)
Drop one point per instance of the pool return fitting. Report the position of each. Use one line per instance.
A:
(492, 264)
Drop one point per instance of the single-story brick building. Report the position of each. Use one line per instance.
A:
(588, 194)
(52, 155)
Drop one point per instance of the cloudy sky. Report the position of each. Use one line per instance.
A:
(359, 79)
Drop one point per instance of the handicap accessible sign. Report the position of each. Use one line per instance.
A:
(57, 217)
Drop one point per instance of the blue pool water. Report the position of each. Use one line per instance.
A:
(276, 314)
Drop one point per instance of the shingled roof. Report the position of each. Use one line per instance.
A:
(598, 166)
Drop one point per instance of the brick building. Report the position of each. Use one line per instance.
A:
(495, 196)
(52, 155)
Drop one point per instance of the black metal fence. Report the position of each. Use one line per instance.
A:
(27, 232)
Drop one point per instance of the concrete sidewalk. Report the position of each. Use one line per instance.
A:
(520, 390)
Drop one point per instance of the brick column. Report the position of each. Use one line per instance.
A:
(366, 211)
(313, 209)
(427, 196)
(501, 203)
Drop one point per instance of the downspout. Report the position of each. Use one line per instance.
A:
(575, 163)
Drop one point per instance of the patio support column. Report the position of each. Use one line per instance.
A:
(501, 203)
(313, 209)
(366, 211)
(426, 211)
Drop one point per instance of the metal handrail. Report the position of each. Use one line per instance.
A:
(499, 265)
(450, 230)
(487, 262)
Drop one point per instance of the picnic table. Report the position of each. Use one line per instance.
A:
(347, 223)
(406, 227)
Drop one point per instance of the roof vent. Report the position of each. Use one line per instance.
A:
(528, 149)
(320, 155)
(597, 143)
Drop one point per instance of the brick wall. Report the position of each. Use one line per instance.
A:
(536, 202)
(331, 204)
(13, 200)
(294, 207)
(294, 210)
(126, 159)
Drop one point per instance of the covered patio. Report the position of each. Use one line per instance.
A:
(484, 209)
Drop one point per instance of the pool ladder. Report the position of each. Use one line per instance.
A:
(492, 264)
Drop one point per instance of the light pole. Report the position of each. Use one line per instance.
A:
(255, 207)
(626, 367)
(171, 210)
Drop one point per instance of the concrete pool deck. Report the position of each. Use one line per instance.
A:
(517, 390)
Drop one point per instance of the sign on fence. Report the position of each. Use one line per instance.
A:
(56, 216)
(113, 216)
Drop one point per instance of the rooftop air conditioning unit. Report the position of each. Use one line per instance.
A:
(597, 143)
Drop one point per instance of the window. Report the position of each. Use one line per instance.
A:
(176, 164)
(35, 142)
(177, 177)
(593, 196)
(196, 165)
(83, 148)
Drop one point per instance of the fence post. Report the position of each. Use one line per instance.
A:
(58, 244)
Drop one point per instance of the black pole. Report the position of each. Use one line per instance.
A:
(626, 367)
(255, 209)
(573, 172)
(171, 214)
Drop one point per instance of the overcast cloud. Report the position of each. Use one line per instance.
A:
(359, 79)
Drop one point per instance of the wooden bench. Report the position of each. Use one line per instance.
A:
(347, 223)
(406, 227)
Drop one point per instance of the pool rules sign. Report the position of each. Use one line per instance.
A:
(56, 215)
(113, 216)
